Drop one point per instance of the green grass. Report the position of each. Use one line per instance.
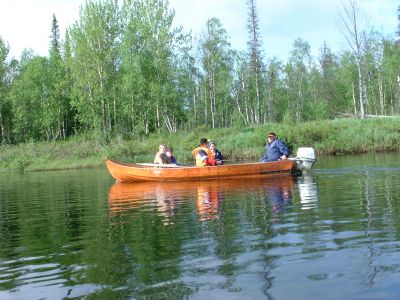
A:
(331, 137)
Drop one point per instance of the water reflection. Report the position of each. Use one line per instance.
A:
(72, 235)
(209, 199)
(308, 192)
(166, 197)
(279, 195)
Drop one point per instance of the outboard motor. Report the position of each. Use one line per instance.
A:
(305, 158)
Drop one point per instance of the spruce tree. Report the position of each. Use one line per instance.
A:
(398, 27)
(255, 62)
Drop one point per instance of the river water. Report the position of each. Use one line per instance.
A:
(332, 234)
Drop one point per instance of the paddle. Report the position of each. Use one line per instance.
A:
(159, 165)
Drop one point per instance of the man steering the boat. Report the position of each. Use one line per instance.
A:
(275, 149)
(203, 155)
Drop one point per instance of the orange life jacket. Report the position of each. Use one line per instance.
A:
(203, 157)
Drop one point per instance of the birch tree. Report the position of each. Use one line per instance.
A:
(30, 99)
(94, 44)
(216, 61)
(355, 36)
(329, 87)
(4, 91)
(276, 94)
(240, 93)
(151, 65)
(297, 72)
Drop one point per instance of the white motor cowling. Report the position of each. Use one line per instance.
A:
(305, 158)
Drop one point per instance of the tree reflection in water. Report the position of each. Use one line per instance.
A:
(155, 221)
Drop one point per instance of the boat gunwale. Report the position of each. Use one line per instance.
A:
(139, 166)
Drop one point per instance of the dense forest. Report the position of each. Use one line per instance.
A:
(124, 69)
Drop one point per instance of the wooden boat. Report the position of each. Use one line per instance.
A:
(152, 172)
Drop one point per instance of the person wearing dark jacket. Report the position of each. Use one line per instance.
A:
(216, 153)
(275, 149)
(170, 154)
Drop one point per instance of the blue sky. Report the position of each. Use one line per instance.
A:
(27, 23)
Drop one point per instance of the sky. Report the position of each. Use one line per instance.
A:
(27, 23)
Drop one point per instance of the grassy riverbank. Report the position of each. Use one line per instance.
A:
(331, 137)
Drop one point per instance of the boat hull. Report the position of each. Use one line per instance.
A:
(137, 172)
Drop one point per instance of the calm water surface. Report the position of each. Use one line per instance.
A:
(333, 234)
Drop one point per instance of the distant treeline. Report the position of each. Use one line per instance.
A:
(327, 137)
(123, 70)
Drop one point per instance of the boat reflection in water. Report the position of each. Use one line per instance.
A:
(167, 197)
(208, 202)
(279, 196)
(308, 192)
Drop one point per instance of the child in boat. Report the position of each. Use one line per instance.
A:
(170, 154)
(161, 156)
(216, 153)
(203, 155)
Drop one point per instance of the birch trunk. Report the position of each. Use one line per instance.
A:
(361, 86)
(246, 108)
(381, 96)
(299, 99)
(3, 137)
(354, 99)
(354, 37)
(257, 108)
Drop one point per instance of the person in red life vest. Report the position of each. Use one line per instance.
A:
(203, 155)
(216, 153)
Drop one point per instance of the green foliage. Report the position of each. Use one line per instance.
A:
(151, 68)
(5, 106)
(344, 136)
(125, 70)
(216, 76)
(94, 43)
(31, 102)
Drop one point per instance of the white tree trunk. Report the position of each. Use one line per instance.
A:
(354, 37)
(381, 96)
(361, 87)
(354, 100)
